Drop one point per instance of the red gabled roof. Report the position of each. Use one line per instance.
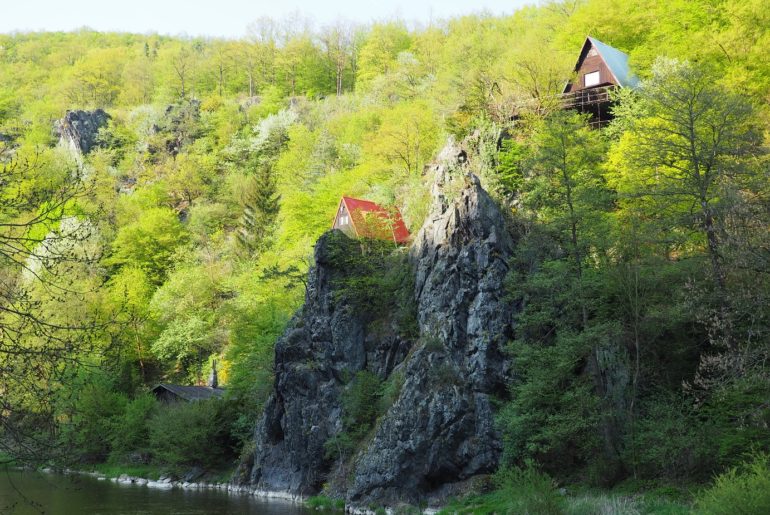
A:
(384, 224)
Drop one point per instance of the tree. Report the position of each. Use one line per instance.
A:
(149, 243)
(261, 204)
(688, 156)
(565, 403)
(337, 44)
(183, 64)
(46, 247)
(380, 50)
(407, 137)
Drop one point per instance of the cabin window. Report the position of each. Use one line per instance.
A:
(591, 79)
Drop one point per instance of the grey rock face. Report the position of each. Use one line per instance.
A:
(78, 129)
(324, 345)
(440, 430)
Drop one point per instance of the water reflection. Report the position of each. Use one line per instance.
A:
(23, 493)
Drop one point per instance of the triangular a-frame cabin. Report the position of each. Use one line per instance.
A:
(365, 219)
(599, 69)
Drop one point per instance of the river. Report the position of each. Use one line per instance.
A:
(27, 493)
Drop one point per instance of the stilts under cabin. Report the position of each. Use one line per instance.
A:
(600, 68)
(365, 219)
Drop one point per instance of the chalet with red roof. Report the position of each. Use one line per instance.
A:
(364, 219)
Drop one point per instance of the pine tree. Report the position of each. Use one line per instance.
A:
(260, 209)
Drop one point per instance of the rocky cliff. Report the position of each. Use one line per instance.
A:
(438, 432)
(77, 131)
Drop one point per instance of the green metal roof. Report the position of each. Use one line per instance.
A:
(617, 62)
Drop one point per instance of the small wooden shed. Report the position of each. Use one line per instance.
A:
(171, 393)
(365, 219)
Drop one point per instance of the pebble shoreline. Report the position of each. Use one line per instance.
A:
(166, 483)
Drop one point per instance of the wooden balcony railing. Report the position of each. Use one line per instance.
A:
(585, 98)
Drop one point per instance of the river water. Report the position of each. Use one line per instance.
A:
(27, 493)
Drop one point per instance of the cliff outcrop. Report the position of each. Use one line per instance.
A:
(78, 130)
(437, 432)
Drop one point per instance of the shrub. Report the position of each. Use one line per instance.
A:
(376, 280)
(391, 390)
(320, 502)
(194, 433)
(742, 489)
(130, 432)
(518, 490)
(94, 411)
(527, 490)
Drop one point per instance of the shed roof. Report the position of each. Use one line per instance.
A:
(190, 393)
(388, 223)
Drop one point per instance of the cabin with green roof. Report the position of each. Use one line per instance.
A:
(600, 68)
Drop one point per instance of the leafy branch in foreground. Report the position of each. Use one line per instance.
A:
(48, 326)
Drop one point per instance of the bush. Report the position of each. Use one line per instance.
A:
(527, 490)
(319, 502)
(376, 280)
(94, 411)
(518, 490)
(130, 432)
(195, 433)
(742, 489)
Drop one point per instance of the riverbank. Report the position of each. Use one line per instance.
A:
(568, 501)
(161, 481)
(30, 492)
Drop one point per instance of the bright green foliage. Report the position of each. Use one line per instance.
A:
(322, 503)
(149, 243)
(224, 161)
(517, 490)
(379, 52)
(743, 489)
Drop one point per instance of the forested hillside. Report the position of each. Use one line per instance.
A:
(183, 233)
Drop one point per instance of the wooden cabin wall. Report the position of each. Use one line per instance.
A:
(591, 64)
(166, 396)
(347, 228)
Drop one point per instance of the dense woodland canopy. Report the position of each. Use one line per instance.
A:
(184, 236)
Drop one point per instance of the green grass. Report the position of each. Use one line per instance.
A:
(530, 494)
(155, 471)
(112, 470)
(323, 503)
(586, 504)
